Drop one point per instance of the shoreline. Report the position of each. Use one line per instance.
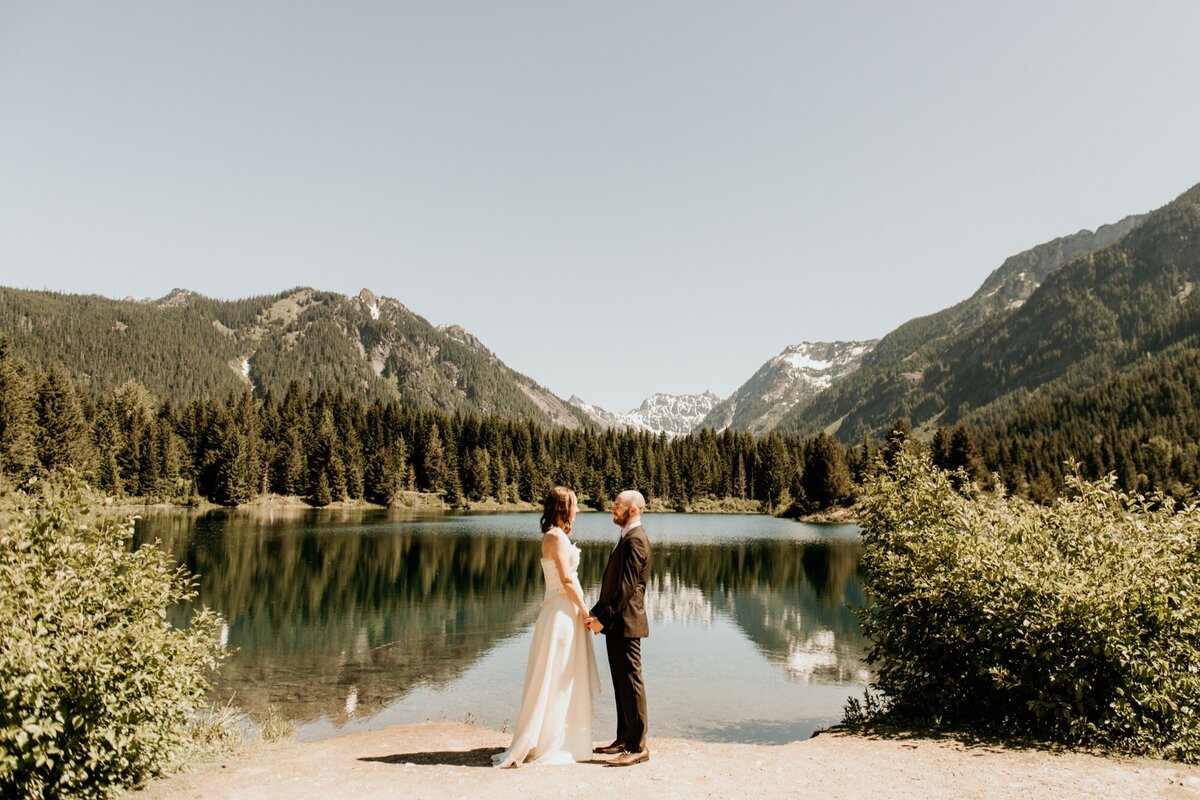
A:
(426, 502)
(452, 760)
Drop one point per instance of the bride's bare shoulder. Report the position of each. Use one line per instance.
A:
(553, 540)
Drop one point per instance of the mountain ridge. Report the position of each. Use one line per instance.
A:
(186, 346)
(790, 380)
(661, 412)
(882, 389)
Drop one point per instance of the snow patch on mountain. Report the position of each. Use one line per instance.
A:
(672, 414)
(794, 377)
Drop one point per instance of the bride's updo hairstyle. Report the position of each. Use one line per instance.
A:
(556, 510)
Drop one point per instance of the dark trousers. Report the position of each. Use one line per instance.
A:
(625, 664)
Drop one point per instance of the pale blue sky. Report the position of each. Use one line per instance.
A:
(618, 198)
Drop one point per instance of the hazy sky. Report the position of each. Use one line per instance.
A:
(617, 198)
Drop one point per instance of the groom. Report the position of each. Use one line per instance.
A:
(620, 614)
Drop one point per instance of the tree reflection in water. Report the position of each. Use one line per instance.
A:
(331, 617)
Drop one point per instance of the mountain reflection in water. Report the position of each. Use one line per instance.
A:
(336, 617)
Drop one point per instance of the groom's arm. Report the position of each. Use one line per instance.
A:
(607, 609)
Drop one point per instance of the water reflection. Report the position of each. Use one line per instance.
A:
(336, 617)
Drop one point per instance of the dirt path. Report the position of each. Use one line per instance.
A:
(452, 760)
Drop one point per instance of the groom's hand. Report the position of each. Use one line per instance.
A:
(595, 625)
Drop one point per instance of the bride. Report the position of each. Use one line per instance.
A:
(561, 682)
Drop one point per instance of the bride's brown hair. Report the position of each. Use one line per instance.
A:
(556, 510)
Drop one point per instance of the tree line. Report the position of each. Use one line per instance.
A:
(329, 446)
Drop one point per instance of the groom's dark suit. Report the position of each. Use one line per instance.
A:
(621, 609)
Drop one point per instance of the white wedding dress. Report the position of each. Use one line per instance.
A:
(561, 682)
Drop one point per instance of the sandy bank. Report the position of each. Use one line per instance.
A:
(452, 760)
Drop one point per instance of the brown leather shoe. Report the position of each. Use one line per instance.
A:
(608, 750)
(628, 759)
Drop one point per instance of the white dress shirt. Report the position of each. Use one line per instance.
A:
(637, 523)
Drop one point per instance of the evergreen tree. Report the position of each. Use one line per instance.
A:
(387, 472)
(827, 478)
(499, 480)
(898, 438)
(739, 477)
(530, 481)
(106, 434)
(325, 468)
(776, 473)
(964, 454)
(64, 437)
(18, 416)
(290, 464)
(477, 478)
(230, 484)
(436, 475)
(939, 448)
(134, 409)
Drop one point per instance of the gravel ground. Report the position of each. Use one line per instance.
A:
(453, 760)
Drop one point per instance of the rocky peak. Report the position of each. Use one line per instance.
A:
(672, 414)
(176, 298)
(463, 336)
(789, 380)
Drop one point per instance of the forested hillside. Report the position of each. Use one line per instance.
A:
(898, 377)
(329, 446)
(187, 347)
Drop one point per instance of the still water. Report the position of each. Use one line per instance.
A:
(353, 620)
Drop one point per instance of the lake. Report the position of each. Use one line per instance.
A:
(353, 620)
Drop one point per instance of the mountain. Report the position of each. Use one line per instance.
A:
(186, 346)
(893, 380)
(789, 381)
(604, 419)
(672, 414)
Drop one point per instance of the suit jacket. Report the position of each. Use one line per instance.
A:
(621, 607)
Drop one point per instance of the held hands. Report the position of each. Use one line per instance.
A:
(593, 624)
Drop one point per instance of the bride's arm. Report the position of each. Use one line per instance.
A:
(570, 585)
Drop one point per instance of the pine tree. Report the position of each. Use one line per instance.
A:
(387, 471)
(530, 480)
(964, 454)
(322, 495)
(499, 479)
(230, 486)
(939, 448)
(776, 473)
(827, 477)
(106, 435)
(739, 477)
(134, 408)
(897, 439)
(325, 466)
(433, 466)
(289, 464)
(18, 416)
(477, 477)
(64, 438)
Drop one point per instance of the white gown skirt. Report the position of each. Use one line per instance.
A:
(561, 684)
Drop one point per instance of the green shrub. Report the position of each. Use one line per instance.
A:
(97, 688)
(1077, 622)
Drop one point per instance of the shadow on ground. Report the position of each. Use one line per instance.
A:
(479, 757)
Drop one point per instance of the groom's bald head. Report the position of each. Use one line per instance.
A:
(633, 499)
(628, 506)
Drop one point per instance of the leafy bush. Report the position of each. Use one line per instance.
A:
(97, 688)
(1077, 622)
